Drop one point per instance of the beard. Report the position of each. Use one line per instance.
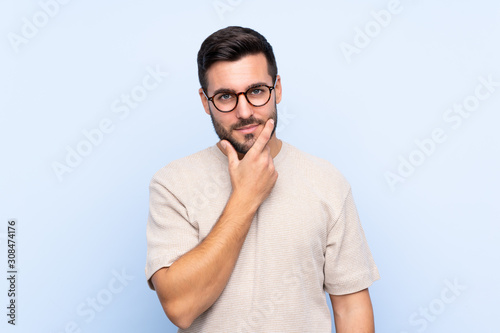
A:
(249, 139)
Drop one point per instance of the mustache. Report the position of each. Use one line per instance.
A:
(246, 122)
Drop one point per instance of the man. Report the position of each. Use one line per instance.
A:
(232, 246)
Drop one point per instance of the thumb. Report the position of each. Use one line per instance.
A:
(232, 156)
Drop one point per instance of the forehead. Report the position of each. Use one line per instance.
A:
(240, 74)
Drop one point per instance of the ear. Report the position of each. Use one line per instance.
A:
(277, 89)
(204, 101)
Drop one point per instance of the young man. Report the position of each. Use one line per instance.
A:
(248, 234)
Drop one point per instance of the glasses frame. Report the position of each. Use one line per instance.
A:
(211, 99)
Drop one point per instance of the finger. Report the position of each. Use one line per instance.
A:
(264, 136)
(232, 156)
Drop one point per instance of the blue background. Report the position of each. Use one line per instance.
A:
(363, 110)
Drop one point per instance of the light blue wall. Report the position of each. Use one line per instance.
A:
(360, 89)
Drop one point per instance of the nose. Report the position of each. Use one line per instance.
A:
(243, 109)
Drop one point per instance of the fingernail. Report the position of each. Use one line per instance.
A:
(272, 121)
(223, 144)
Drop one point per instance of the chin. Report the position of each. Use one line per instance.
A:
(243, 146)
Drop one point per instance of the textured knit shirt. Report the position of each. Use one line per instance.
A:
(304, 240)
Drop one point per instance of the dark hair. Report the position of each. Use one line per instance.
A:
(231, 44)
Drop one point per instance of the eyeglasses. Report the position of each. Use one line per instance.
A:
(226, 101)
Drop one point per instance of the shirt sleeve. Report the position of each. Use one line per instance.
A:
(349, 265)
(169, 232)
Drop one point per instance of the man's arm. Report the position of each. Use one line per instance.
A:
(194, 281)
(353, 313)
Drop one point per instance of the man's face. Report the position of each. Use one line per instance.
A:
(242, 126)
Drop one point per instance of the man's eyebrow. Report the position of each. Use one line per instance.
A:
(224, 90)
(227, 90)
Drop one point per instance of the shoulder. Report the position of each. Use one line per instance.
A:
(186, 168)
(314, 164)
(320, 170)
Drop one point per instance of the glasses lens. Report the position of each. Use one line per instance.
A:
(258, 96)
(225, 101)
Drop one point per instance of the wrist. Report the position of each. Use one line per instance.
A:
(243, 204)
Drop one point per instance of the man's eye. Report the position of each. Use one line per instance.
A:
(256, 91)
(224, 97)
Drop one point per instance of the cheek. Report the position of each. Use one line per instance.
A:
(265, 114)
(225, 121)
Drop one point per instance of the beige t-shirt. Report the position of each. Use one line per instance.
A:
(305, 239)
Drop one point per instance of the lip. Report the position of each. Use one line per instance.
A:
(248, 129)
